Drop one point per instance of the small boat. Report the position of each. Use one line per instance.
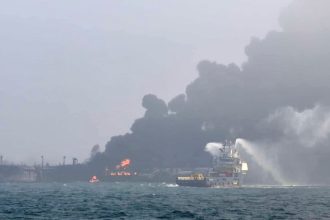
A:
(94, 179)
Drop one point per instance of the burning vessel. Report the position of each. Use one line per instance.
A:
(125, 172)
(228, 169)
(94, 179)
(122, 169)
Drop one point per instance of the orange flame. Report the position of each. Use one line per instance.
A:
(125, 163)
(121, 169)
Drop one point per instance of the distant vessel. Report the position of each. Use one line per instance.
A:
(94, 179)
(228, 171)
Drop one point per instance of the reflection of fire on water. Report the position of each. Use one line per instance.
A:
(121, 169)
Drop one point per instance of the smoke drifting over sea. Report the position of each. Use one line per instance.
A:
(310, 127)
(301, 144)
(277, 100)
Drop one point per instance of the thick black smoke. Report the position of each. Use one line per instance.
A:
(287, 72)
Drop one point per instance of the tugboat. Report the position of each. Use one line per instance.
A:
(228, 170)
(94, 179)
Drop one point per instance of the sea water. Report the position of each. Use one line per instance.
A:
(107, 200)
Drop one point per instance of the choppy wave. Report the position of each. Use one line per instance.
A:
(161, 201)
(284, 186)
(171, 185)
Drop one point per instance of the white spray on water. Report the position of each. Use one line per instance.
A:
(299, 131)
(261, 160)
(254, 151)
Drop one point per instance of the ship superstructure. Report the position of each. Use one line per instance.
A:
(228, 170)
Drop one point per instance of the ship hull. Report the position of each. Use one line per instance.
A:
(192, 183)
(211, 182)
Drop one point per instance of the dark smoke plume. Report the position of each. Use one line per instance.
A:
(275, 100)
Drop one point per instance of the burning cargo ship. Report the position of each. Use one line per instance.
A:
(124, 172)
(121, 172)
(228, 169)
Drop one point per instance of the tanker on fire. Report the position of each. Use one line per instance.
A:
(122, 170)
(125, 171)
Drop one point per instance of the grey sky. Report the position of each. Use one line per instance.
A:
(72, 73)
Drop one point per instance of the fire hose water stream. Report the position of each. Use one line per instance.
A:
(261, 160)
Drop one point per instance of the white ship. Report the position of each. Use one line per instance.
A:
(228, 170)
